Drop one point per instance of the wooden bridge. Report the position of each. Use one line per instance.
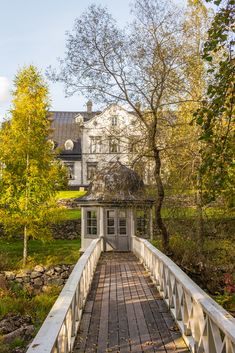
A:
(133, 302)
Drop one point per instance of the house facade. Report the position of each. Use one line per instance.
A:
(88, 141)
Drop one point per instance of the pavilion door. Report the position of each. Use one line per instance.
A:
(117, 230)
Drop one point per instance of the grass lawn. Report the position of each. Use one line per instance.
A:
(17, 300)
(69, 194)
(191, 212)
(49, 253)
(72, 214)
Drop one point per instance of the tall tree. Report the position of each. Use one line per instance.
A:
(185, 154)
(216, 115)
(30, 174)
(140, 64)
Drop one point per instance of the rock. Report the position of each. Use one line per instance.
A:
(45, 289)
(20, 275)
(26, 279)
(19, 279)
(9, 275)
(57, 281)
(58, 269)
(50, 272)
(65, 275)
(39, 268)
(27, 272)
(25, 332)
(12, 322)
(3, 282)
(35, 274)
(38, 282)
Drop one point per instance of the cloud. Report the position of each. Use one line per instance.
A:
(4, 89)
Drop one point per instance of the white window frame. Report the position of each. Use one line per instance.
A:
(91, 164)
(87, 234)
(71, 170)
(95, 144)
(112, 143)
(114, 121)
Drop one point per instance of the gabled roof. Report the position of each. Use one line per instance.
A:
(64, 127)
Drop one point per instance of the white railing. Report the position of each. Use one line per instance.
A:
(206, 327)
(58, 332)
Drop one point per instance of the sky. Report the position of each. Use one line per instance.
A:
(33, 32)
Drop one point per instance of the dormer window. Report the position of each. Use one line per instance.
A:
(69, 145)
(114, 120)
(79, 119)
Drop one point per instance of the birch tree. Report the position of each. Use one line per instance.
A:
(30, 174)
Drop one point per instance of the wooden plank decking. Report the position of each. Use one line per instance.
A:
(124, 312)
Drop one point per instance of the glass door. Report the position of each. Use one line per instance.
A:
(117, 234)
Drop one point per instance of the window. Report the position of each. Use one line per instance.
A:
(70, 170)
(95, 144)
(142, 223)
(91, 223)
(122, 222)
(116, 222)
(111, 222)
(114, 146)
(91, 170)
(69, 145)
(114, 120)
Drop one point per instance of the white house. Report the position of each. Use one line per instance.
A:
(89, 140)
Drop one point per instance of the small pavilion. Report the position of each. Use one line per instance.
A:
(116, 208)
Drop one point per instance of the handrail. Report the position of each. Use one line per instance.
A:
(206, 327)
(58, 332)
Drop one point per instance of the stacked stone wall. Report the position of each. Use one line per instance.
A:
(66, 230)
(40, 278)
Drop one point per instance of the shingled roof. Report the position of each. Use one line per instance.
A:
(64, 127)
(116, 183)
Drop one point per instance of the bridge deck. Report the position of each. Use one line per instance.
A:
(124, 312)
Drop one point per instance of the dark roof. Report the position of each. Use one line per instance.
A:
(65, 128)
(116, 183)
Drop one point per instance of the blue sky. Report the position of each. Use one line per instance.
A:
(33, 32)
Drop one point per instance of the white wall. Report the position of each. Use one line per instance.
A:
(101, 125)
(77, 174)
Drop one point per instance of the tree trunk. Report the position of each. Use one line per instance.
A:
(200, 222)
(159, 201)
(25, 249)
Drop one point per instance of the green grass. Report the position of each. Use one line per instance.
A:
(18, 300)
(46, 254)
(72, 214)
(191, 212)
(69, 194)
(178, 212)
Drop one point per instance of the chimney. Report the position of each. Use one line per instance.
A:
(89, 106)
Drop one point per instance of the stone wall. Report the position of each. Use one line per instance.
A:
(72, 203)
(40, 278)
(67, 229)
(70, 229)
